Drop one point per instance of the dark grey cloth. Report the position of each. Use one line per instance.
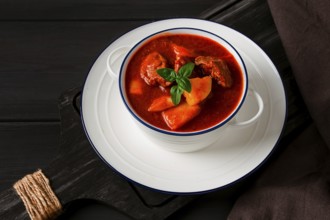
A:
(296, 185)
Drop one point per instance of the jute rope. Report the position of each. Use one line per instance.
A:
(39, 199)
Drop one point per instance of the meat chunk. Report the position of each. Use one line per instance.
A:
(182, 56)
(217, 68)
(150, 64)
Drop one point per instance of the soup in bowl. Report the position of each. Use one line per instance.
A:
(183, 86)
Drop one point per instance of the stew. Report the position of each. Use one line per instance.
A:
(216, 82)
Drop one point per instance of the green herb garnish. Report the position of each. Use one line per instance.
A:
(181, 79)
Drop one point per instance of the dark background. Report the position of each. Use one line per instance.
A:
(49, 47)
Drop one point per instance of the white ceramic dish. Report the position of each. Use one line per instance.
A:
(186, 141)
(240, 150)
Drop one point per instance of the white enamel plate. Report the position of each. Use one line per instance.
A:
(119, 142)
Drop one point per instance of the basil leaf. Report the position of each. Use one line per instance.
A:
(167, 73)
(172, 76)
(181, 78)
(186, 70)
(184, 84)
(176, 93)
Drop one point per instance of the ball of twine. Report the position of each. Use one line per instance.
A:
(38, 197)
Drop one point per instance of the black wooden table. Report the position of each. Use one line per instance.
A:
(46, 48)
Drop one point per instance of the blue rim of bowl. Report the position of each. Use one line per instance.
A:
(178, 133)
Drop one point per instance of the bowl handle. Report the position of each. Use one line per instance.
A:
(260, 103)
(115, 59)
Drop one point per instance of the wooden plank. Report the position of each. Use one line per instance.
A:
(253, 19)
(73, 172)
(50, 58)
(38, 60)
(100, 9)
(24, 147)
(33, 82)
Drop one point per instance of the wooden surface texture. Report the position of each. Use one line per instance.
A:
(47, 48)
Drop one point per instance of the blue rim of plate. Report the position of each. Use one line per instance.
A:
(244, 176)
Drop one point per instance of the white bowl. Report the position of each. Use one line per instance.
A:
(176, 140)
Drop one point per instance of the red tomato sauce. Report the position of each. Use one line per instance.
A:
(220, 103)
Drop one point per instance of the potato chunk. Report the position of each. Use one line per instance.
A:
(200, 89)
(135, 87)
(177, 116)
(160, 104)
